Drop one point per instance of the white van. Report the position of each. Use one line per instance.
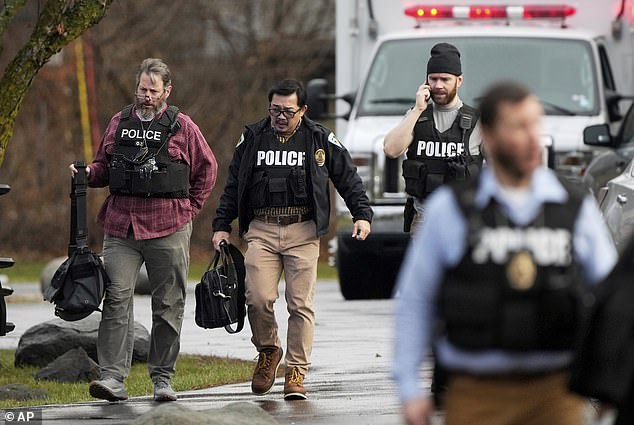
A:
(577, 57)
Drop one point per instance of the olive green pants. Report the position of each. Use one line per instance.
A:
(166, 260)
(272, 249)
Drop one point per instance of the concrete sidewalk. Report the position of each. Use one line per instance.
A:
(349, 383)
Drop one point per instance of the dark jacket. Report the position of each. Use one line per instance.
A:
(338, 167)
(604, 366)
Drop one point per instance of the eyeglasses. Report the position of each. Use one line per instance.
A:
(288, 113)
(148, 93)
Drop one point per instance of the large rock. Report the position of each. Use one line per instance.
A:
(72, 366)
(233, 414)
(142, 286)
(43, 343)
(21, 392)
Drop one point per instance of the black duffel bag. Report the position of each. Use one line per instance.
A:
(220, 295)
(79, 284)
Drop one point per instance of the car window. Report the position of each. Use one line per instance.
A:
(399, 67)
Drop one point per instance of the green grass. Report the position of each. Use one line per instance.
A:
(24, 271)
(29, 271)
(192, 372)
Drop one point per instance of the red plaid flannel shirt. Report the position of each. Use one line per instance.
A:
(156, 217)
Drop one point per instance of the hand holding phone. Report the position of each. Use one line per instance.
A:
(422, 96)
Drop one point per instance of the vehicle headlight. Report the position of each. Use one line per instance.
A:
(575, 162)
(364, 161)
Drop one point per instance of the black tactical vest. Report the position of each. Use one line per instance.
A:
(517, 288)
(279, 178)
(434, 158)
(140, 164)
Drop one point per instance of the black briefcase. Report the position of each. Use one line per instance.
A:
(220, 295)
(79, 284)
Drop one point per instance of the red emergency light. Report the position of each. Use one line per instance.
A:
(535, 11)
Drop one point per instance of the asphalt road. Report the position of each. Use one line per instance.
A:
(349, 383)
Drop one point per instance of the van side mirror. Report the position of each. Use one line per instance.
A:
(319, 100)
(317, 93)
(598, 135)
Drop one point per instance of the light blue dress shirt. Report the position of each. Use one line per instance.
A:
(440, 244)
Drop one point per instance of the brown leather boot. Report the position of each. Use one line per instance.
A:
(265, 370)
(294, 385)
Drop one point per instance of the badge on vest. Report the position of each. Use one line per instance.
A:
(521, 271)
(320, 157)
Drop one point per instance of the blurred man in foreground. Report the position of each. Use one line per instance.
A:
(495, 280)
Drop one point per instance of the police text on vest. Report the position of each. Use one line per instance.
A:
(439, 149)
(549, 247)
(281, 158)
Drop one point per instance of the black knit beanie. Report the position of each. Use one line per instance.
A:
(445, 58)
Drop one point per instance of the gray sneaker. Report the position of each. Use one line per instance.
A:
(163, 391)
(108, 389)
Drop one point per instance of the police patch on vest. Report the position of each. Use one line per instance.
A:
(333, 139)
(320, 157)
(521, 271)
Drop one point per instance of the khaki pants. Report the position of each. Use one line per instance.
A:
(295, 250)
(512, 400)
(166, 260)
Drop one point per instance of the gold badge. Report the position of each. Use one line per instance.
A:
(521, 271)
(320, 157)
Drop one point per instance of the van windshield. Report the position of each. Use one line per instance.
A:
(560, 71)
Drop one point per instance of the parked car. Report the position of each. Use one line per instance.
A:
(609, 163)
(617, 206)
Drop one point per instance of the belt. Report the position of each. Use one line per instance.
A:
(284, 220)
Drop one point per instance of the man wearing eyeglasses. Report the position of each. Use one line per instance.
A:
(160, 170)
(278, 188)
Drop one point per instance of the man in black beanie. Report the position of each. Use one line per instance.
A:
(440, 134)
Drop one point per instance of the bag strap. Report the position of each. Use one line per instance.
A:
(230, 269)
(78, 223)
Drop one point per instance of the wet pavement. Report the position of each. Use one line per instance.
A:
(348, 384)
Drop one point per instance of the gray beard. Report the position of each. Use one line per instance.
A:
(149, 114)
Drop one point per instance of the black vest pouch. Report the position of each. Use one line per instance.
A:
(278, 192)
(434, 181)
(118, 173)
(259, 189)
(474, 165)
(457, 169)
(415, 175)
(298, 184)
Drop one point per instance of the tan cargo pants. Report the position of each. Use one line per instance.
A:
(272, 249)
(512, 400)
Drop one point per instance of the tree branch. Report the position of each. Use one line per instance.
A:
(9, 10)
(58, 24)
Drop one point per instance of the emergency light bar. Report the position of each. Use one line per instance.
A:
(536, 11)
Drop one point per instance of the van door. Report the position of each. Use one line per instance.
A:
(609, 86)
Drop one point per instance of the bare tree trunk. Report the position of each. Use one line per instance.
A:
(59, 23)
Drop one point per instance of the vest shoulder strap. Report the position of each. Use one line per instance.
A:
(565, 214)
(170, 119)
(126, 112)
(471, 111)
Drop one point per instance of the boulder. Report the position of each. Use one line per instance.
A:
(73, 366)
(142, 283)
(21, 392)
(43, 343)
(241, 413)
